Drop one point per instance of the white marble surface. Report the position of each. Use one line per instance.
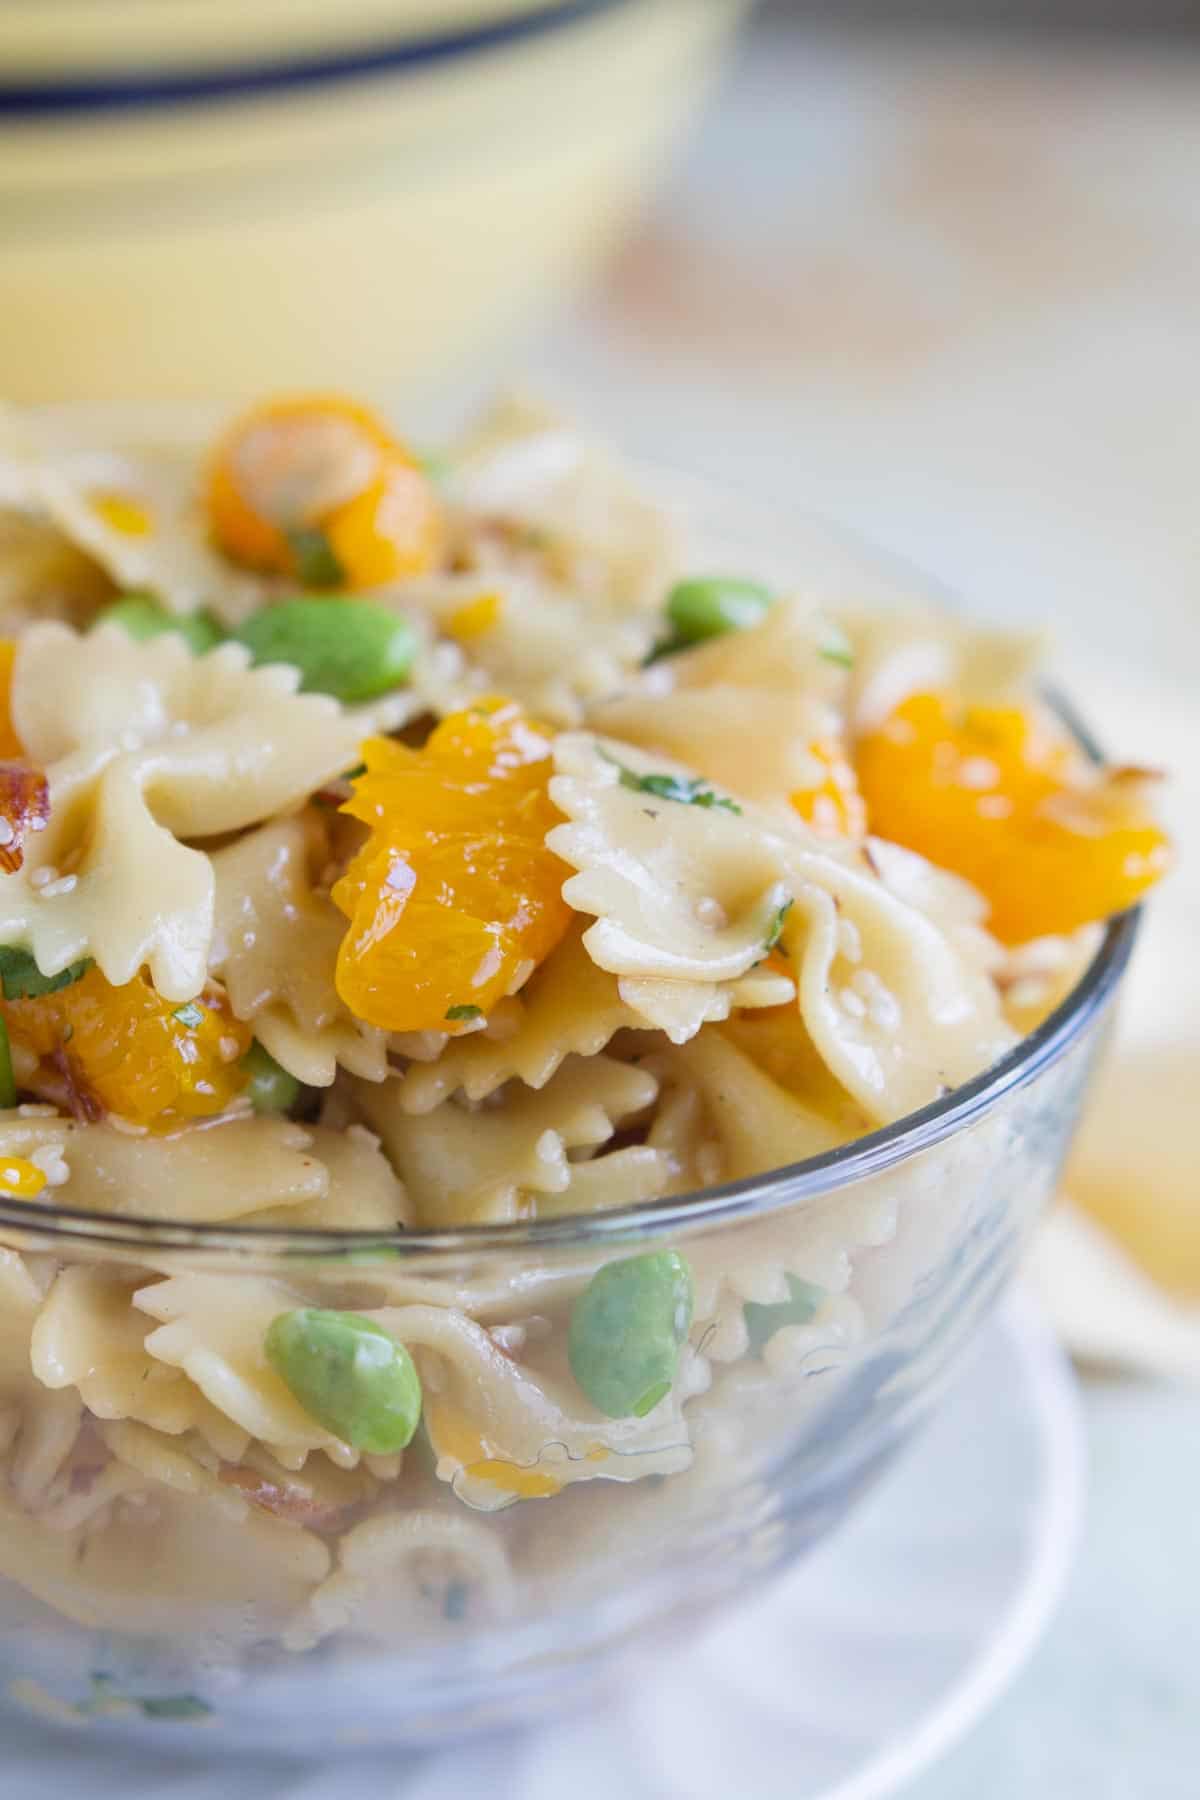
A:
(948, 291)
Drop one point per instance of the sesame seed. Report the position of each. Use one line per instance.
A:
(849, 940)
(53, 890)
(711, 913)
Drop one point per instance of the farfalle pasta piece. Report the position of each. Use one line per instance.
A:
(135, 513)
(570, 1006)
(526, 481)
(408, 1568)
(89, 1337)
(146, 746)
(43, 575)
(139, 1569)
(363, 1193)
(684, 893)
(37, 1428)
(231, 1169)
(275, 945)
(213, 1327)
(504, 1431)
(462, 1167)
(951, 902)
(551, 650)
(908, 650)
(747, 707)
(896, 1009)
(756, 1124)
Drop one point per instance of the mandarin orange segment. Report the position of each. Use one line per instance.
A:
(454, 899)
(834, 807)
(322, 467)
(11, 748)
(126, 1050)
(1001, 796)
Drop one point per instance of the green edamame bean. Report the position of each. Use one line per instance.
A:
(708, 606)
(352, 649)
(269, 1088)
(625, 1332)
(348, 1374)
(142, 617)
(764, 1320)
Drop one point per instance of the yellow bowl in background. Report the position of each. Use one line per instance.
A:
(357, 211)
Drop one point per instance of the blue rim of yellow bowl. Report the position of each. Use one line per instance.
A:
(141, 91)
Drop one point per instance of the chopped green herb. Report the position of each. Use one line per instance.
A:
(8, 1082)
(685, 789)
(775, 929)
(21, 979)
(190, 1015)
(837, 648)
(435, 465)
(317, 564)
(668, 646)
(106, 1696)
(465, 1012)
(353, 774)
(175, 1706)
(762, 1322)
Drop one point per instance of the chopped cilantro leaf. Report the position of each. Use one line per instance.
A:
(762, 1322)
(465, 1012)
(21, 979)
(317, 564)
(835, 646)
(775, 929)
(175, 1706)
(685, 789)
(190, 1015)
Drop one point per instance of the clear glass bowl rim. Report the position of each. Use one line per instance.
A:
(678, 1216)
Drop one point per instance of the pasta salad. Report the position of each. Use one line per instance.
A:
(393, 844)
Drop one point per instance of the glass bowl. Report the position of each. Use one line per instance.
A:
(321, 1606)
(153, 1584)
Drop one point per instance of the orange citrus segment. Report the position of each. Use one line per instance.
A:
(1000, 795)
(454, 898)
(126, 1050)
(322, 463)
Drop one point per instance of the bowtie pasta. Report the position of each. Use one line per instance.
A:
(391, 845)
